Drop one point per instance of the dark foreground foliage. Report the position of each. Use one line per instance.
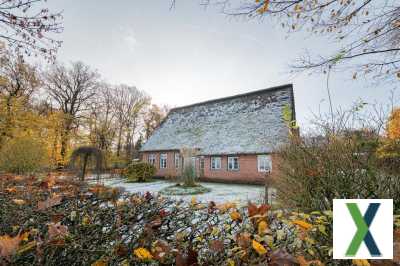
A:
(61, 222)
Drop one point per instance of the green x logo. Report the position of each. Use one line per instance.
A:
(363, 233)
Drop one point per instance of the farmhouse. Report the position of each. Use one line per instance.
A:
(234, 138)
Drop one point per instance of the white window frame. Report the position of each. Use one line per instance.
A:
(231, 165)
(163, 160)
(264, 163)
(177, 160)
(151, 159)
(202, 163)
(215, 163)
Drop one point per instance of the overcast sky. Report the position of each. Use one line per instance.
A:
(191, 54)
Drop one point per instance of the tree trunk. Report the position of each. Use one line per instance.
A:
(85, 160)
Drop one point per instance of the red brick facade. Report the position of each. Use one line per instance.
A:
(247, 173)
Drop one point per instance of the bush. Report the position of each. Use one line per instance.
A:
(139, 171)
(314, 171)
(23, 155)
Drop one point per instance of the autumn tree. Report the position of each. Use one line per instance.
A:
(18, 80)
(393, 126)
(71, 88)
(27, 27)
(367, 32)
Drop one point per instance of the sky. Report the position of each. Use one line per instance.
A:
(191, 53)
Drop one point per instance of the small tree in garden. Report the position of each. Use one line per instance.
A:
(188, 174)
(140, 171)
(82, 157)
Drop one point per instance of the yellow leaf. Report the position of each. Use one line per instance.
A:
(143, 254)
(19, 201)
(260, 249)
(302, 224)
(230, 262)
(262, 227)
(361, 262)
(99, 262)
(193, 201)
(235, 216)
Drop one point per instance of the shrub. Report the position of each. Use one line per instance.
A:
(23, 155)
(139, 171)
(314, 171)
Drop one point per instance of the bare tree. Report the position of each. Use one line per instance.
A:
(129, 103)
(367, 32)
(71, 88)
(101, 120)
(28, 28)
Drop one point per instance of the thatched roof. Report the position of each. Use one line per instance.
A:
(250, 123)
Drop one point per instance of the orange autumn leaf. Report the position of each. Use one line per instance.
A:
(254, 210)
(11, 190)
(304, 225)
(262, 227)
(9, 245)
(235, 216)
(143, 254)
(260, 249)
(303, 262)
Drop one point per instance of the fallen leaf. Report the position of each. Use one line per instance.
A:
(57, 231)
(262, 227)
(304, 225)
(9, 245)
(217, 245)
(19, 201)
(260, 249)
(143, 254)
(254, 210)
(50, 202)
(235, 216)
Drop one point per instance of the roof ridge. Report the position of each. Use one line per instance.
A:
(288, 85)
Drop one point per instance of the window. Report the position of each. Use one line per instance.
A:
(264, 163)
(215, 163)
(151, 159)
(233, 163)
(202, 162)
(177, 159)
(163, 160)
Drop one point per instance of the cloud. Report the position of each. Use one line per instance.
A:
(129, 38)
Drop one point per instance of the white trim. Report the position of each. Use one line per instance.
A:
(215, 163)
(231, 163)
(163, 160)
(264, 163)
(151, 158)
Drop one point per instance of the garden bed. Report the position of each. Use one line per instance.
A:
(179, 190)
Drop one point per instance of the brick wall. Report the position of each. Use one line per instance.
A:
(247, 173)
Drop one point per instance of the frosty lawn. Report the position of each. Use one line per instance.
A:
(219, 192)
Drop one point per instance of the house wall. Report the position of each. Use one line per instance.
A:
(247, 173)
